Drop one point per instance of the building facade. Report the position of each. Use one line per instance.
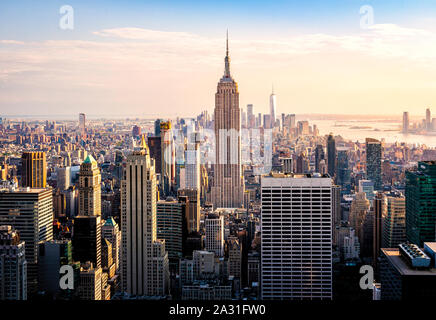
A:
(34, 169)
(144, 259)
(296, 231)
(13, 265)
(228, 188)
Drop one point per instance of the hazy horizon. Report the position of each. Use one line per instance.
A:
(313, 116)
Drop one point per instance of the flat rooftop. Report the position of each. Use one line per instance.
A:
(23, 190)
(431, 245)
(394, 257)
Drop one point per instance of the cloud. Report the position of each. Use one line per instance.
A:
(390, 30)
(138, 66)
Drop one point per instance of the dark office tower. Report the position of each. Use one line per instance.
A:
(193, 213)
(136, 131)
(171, 227)
(194, 241)
(331, 156)
(87, 239)
(168, 157)
(373, 162)
(155, 145)
(30, 212)
(408, 273)
(336, 211)
(343, 176)
(421, 203)
(52, 256)
(119, 157)
(251, 230)
(34, 170)
(13, 265)
(157, 127)
(319, 155)
(283, 120)
(302, 164)
(379, 215)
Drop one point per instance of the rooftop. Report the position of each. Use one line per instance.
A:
(89, 159)
(394, 257)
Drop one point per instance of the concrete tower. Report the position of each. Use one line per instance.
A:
(144, 260)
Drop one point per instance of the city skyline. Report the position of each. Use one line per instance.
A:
(242, 202)
(109, 63)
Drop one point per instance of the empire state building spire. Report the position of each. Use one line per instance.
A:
(227, 59)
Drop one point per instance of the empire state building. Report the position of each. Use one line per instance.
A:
(228, 185)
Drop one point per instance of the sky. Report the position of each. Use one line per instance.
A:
(164, 58)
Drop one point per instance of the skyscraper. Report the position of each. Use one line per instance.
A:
(251, 118)
(428, 124)
(144, 260)
(63, 178)
(82, 124)
(214, 225)
(343, 175)
(373, 162)
(111, 232)
(34, 170)
(235, 258)
(336, 211)
(193, 212)
(157, 127)
(360, 208)
(287, 165)
(168, 160)
(87, 224)
(13, 265)
(90, 286)
(192, 166)
(30, 212)
(406, 123)
(89, 188)
(228, 188)
(367, 186)
(319, 155)
(380, 207)
(171, 227)
(52, 255)
(421, 203)
(87, 239)
(296, 259)
(272, 108)
(155, 145)
(408, 274)
(331, 156)
(394, 230)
